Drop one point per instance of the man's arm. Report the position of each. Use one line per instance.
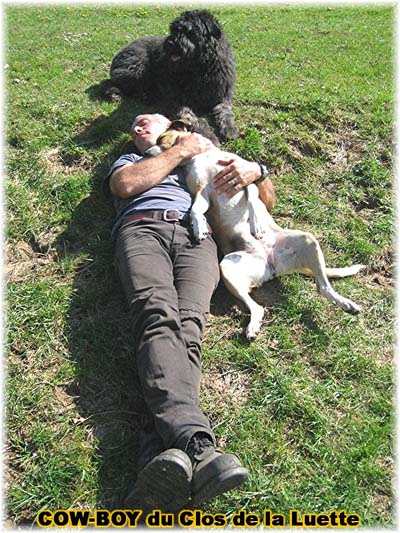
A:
(130, 180)
(237, 174)
(266, 192)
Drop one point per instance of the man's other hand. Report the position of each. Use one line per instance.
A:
(236, 174)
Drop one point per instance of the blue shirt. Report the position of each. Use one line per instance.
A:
(171, 193)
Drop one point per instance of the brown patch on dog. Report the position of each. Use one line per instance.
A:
(169, 138)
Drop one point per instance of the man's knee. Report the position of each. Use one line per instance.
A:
(152, 314)
(193, 325)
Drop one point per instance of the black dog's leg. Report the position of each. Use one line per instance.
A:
(109, 89)
(128, 82)
(224, 121)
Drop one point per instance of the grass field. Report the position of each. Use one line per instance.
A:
(308, 407)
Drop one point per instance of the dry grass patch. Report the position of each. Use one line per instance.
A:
(23, 263)
(383, 275)
(224, 391)
(346, 152)
(54, 162)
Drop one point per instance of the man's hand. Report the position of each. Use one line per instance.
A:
(193, 144)
(236, 174)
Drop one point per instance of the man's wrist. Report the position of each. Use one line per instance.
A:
(263, 174)
(178, 153)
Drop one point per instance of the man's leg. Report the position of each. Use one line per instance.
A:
(168, 356)
(143, 254)
(196, 274)
(145, 268)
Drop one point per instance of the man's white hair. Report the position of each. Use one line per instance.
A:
(161, 118)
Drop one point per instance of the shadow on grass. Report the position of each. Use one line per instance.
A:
(109, 401)
(108, 127)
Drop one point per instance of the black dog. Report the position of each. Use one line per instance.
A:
(193, 67)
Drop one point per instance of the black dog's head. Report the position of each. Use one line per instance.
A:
(190, 34)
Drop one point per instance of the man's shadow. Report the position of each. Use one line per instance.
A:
(106, 388)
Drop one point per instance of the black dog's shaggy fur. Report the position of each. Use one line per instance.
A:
(193, 66)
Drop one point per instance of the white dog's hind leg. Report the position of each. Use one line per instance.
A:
(200, 206)
(298, 251)
(241, 272)
(255, 220)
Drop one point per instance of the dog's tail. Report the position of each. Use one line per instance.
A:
(337, 272)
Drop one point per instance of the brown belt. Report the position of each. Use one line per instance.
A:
(167, 215)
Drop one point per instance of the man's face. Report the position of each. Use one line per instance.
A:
(146, 129)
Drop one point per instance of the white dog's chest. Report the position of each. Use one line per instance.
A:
(202, 168)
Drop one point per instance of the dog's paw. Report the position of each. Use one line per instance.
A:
(113, 93)
(350, 307)
(252, 333)
(253, 329)
(198, 237)
(201, 234)
(257, 229)
(200, 228)
(228, 133)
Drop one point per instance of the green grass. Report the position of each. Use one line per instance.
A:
(308, 406)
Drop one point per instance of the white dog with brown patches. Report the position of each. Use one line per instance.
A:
(256, 249)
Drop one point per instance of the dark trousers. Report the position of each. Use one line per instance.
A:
(168, 281)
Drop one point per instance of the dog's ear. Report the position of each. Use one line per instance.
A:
(181, 124)
(167, 139)
(212, 25)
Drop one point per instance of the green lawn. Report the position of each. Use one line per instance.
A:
(308, 407)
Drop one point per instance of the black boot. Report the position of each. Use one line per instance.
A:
(164, 483)
(214, 472)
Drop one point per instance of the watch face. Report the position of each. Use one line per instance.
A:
(264, 171)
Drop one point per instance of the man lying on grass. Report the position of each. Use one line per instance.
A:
(169, 282)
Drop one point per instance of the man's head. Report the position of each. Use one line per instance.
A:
(146, 129)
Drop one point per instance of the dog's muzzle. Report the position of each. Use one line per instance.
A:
(173, 51)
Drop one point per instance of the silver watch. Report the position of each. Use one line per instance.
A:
(264, 174)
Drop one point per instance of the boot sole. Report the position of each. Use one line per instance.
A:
(163, 484)
(220, 484)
